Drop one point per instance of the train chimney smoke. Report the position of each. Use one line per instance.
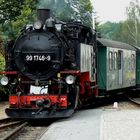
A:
(43, 14)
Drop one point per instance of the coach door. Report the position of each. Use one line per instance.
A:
(120, 67)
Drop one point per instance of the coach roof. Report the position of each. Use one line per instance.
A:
(114, 44)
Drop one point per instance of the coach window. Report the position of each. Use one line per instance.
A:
(110, 60)
(115, 61)
(132, 62)
(119, 60)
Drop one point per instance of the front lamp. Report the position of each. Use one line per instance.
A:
(38, 25)
(4, 81)
(70, 79)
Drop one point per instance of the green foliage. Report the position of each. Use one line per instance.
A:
(116, 31)
(14, 14)
(2, 63)
(121, 34)
(9, 10)
(85, 12)
(108, 29)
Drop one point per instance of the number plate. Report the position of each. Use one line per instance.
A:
(37, 57)
(38, 90)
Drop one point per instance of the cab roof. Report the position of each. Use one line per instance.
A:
(114, 44)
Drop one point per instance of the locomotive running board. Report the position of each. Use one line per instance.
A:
(37, 114)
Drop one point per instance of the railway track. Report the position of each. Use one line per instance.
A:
(11, 129)
(135, 100)
(8, 126)
(29, 132)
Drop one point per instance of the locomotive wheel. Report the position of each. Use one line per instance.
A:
(74, 97)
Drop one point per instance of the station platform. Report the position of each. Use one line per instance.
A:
(97, 124)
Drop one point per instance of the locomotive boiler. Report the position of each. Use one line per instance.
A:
(50, 68)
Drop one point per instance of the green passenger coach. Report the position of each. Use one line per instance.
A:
(116, 65)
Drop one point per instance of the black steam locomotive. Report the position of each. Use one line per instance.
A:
(51, 68)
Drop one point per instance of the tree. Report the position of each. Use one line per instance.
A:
(26, 16)
(121, 33)
(84, 12)
(14, 13)
(9, 10)
(133, 22)
(96, 21)
(108, 29)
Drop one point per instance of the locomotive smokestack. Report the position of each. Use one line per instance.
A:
(43, 14)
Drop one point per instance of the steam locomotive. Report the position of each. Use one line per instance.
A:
(55, 67)
(51, 68)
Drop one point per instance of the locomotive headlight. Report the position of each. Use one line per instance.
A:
(38, 25)
(4, 81)
(70, 79)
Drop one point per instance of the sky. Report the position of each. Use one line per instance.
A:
(111, 10)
